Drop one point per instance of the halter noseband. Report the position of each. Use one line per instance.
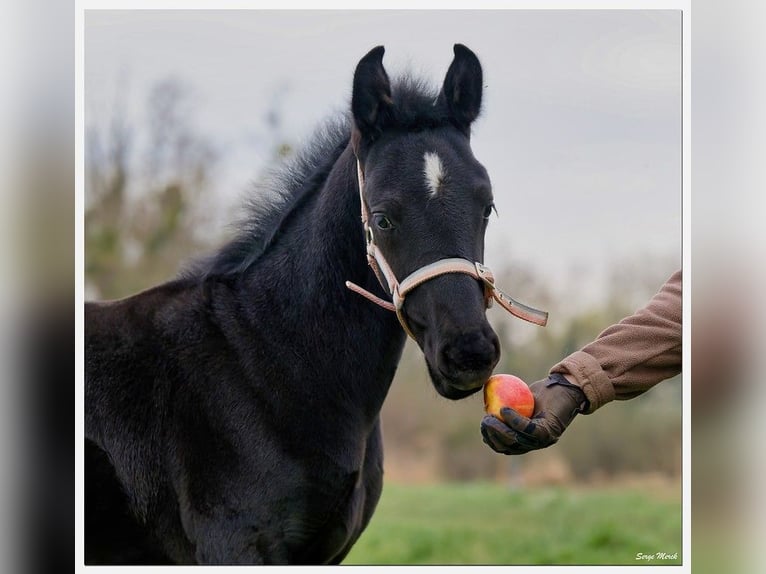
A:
(399, 290)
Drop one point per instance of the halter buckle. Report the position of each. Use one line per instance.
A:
(488, 280)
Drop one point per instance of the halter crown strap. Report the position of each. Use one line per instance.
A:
(398, 291)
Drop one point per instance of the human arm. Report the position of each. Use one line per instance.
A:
(625, 360)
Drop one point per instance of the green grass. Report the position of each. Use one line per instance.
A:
(491, 524)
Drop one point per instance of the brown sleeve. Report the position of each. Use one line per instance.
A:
(632, 356)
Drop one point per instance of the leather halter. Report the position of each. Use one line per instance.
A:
(399, 290)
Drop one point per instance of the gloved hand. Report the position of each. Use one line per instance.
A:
(557, 401)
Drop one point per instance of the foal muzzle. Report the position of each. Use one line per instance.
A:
(399, 290)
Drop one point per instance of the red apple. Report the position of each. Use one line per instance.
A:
(507, 391)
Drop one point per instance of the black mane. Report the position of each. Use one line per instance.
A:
(416, 108)
(271, 200)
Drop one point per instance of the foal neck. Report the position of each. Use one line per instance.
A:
(346, 346)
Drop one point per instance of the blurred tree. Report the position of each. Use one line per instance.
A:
(146, 186)
(640, 436)
(139, 219)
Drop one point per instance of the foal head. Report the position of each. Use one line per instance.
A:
(429, 199)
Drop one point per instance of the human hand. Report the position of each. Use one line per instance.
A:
(557, 401)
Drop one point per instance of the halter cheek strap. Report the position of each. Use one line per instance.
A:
(399, 290)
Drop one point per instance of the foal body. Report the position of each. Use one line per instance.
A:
(269, 441)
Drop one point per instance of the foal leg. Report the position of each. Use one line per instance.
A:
(370, 490)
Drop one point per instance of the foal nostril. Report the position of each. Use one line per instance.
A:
(472, 352)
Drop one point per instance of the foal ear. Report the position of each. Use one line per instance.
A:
(371, 101)
(462, 87)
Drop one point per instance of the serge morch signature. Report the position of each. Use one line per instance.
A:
(657, 556)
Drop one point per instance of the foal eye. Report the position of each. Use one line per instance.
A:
(488, 211)
(381, 221)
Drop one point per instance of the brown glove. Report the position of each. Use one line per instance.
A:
(557, 401)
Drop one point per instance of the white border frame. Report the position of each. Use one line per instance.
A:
(683, 5)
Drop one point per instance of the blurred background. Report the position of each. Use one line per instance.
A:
(581, 136)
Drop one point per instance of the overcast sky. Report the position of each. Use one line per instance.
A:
(580, 130)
